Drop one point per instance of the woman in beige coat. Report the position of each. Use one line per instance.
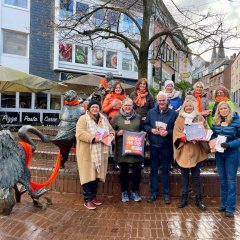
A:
(189, 154)
(92, 153)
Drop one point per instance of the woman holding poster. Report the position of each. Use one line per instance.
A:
(127, 120)
(226, 124)
(189, 153)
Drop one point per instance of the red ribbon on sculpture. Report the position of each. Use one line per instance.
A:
(34, 185)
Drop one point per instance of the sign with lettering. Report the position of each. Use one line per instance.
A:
(30, 118)
(9, 117)
(51, 119)
(133, 143)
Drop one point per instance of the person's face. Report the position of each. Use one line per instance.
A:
(220, 93)
(127, 107)
(169, 88)
(162, 102)
(94, 109)
(224, 110)
(142, 86)
(199, 88)
(118, 89)
(188, 108)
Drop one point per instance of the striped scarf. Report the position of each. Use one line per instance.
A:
(97, 148)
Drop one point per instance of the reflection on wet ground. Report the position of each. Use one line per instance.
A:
(68, 219)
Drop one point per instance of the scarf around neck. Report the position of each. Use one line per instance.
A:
(127, 116)
(199, 102)
(170, 95)
(118, 96)
(221, 99)
(189, 117)
(141, 100)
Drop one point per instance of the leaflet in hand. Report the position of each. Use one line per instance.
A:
(103, 136)
(195, 131)
(161, 125)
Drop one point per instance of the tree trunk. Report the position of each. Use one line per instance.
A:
(143, 51)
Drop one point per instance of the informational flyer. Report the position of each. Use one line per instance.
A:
(195, 131)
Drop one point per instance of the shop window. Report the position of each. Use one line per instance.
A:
(8, 100)
(17, 3)
(127, 62)
(65, 52)
(55, 102)
(81, 54)
(15, 43)
(97, 57)
(66, 8)
(111, 59)
(25, 100)
(41, 101)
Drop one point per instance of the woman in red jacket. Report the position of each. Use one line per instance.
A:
(113, 101)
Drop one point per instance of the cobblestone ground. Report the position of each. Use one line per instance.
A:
(68, 219)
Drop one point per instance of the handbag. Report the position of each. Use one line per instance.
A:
(205, 146)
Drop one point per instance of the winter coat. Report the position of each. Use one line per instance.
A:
(213, 107)
(107, 106)
(118, 123)
(142, 111)
(168, 116)
(86, 167)
(188, 154)
(232, 132)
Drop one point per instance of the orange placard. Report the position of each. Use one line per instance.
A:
(133, 143)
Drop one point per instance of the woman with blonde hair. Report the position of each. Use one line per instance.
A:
(189, 154)
(201, 98)
(226, 123)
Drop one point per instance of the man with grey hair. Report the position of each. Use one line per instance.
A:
(159, 126)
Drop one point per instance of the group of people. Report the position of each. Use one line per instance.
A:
(164, 121)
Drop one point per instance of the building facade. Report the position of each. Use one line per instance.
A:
(235, 80)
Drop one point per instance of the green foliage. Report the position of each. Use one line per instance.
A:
(183, 87)
(154, 91)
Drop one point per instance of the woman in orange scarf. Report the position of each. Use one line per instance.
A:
(113, 101)
(221, 94)
(142, 99)
(201, 98)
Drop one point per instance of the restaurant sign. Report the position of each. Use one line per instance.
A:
(9, 117)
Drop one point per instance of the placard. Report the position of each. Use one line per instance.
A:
(51, 119)
(9, 117)
(133, 143)
(30, 118)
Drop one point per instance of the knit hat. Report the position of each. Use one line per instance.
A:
(92, 102)
(168, 82)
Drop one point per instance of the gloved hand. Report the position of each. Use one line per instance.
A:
(225, 145)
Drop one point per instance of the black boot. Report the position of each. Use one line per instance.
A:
(199, 203)
(184, 201)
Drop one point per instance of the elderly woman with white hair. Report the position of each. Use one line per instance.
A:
(174, 99)
(159, 126)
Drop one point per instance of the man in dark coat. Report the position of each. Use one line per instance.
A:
(159, 126)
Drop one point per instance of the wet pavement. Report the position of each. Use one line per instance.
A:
(68, 219)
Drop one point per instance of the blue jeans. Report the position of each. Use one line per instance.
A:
(227, 165)
(164, 156)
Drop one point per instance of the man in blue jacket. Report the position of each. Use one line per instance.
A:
(159, 126)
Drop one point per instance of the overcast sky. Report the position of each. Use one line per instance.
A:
(229, 8)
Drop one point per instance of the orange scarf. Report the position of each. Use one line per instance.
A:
(118, 96)
(199, 102)
(140, 100)
(74, 102)
(221, 99)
